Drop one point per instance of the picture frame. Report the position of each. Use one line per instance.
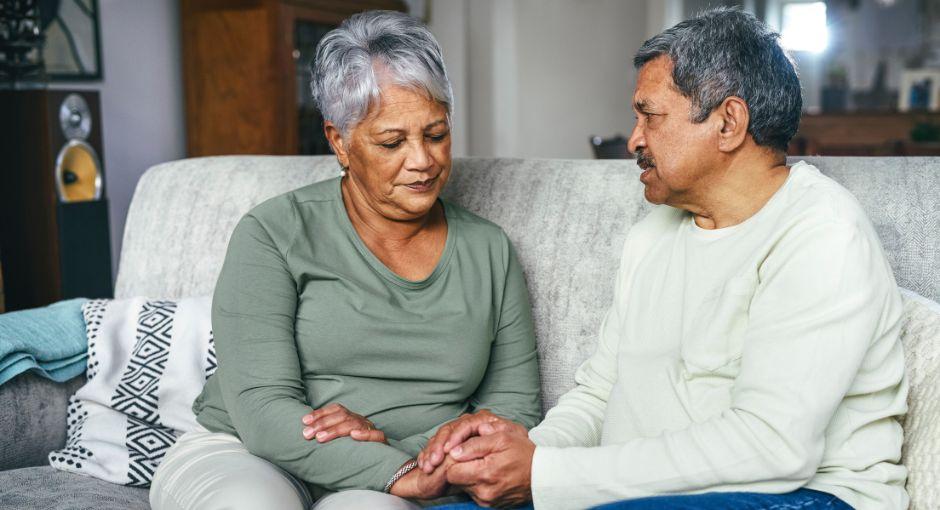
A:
(919, 89)
(72, 49)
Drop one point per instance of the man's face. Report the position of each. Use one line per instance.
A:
(676, 155)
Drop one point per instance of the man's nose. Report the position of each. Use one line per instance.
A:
(636, 139)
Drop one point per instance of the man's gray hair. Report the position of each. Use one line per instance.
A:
(724, 52)
(350, 58)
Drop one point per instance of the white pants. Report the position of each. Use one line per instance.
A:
(214, 471)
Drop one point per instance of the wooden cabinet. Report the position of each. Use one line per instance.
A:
(865, 134)
(246, 72)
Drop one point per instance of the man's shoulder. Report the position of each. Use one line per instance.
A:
(660, 220)
(817, 199)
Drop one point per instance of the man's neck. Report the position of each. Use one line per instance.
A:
(738, 191)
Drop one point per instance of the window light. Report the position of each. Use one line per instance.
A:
(803, 26)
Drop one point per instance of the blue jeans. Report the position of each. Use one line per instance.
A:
(802, 499)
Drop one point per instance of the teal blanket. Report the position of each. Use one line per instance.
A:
(49, 340)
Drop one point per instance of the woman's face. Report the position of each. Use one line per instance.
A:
(398, 157)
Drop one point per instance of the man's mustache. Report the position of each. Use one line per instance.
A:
(644, 160)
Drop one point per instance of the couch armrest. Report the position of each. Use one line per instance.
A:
(32, 418)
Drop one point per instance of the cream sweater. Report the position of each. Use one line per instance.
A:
(760, 357)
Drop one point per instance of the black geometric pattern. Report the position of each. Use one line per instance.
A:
(211, 363)
(93, 312)
(71, 457)
(146, 446)
(136, 395)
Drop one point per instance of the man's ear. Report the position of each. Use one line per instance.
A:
(337, 143)
(735, 119)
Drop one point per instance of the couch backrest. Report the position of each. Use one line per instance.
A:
(566, 218)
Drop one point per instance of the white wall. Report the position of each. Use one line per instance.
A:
(540, 76)
(141, 98)
(575, 73)
(449, 24)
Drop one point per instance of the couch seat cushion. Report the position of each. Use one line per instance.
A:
(48, 488)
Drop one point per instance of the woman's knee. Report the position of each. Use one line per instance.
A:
(363, 500)
(220, 476)
(231, 490)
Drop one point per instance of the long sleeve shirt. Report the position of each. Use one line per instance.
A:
(305, 315)
(759, 357)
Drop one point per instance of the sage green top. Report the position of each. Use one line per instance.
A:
(305, 315)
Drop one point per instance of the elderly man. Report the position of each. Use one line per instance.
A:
(751, 357)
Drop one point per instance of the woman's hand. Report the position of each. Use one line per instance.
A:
(450, 435)
(419, 485)
(334, 420)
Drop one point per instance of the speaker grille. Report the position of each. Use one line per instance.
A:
(78, 173)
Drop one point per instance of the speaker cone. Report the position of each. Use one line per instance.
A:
(78, 173)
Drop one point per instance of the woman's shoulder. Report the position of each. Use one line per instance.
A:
(280, 214)
(322, 191)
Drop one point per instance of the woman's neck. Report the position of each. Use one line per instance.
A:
(371, 224)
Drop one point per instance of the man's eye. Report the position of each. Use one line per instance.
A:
(391, 145)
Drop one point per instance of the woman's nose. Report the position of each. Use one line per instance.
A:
(418, 158)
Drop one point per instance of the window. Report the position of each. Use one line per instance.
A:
(803, 26)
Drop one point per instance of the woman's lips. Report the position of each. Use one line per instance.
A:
(422, 186)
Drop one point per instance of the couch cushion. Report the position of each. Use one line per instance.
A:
(46, 488)
(32, 422)
(920, 332)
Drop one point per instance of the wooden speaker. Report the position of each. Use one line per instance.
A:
(54, 234)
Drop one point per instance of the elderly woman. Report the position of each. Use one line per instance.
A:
(355, 316)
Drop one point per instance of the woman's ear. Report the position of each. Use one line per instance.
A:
(337, 143)
(735, 119)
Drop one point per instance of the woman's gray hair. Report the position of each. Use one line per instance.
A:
(724, 52)
(349, 58)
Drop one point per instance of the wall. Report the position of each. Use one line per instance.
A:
(141, 98)
(448, 23)
(540, 76)
(576, 76)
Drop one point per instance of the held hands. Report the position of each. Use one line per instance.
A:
(420, 485)
(495, 467)
(489, 457)
(334, 420)
(451, 435)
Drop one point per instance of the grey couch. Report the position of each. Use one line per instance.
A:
(566, 218)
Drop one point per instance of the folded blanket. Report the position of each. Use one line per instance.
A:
(49, 340)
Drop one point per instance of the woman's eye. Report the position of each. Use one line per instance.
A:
(391, 145)
(438, 138)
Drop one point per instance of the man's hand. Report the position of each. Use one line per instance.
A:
(451, 435)
(419, 485)
(334, 420)
(495, 468)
